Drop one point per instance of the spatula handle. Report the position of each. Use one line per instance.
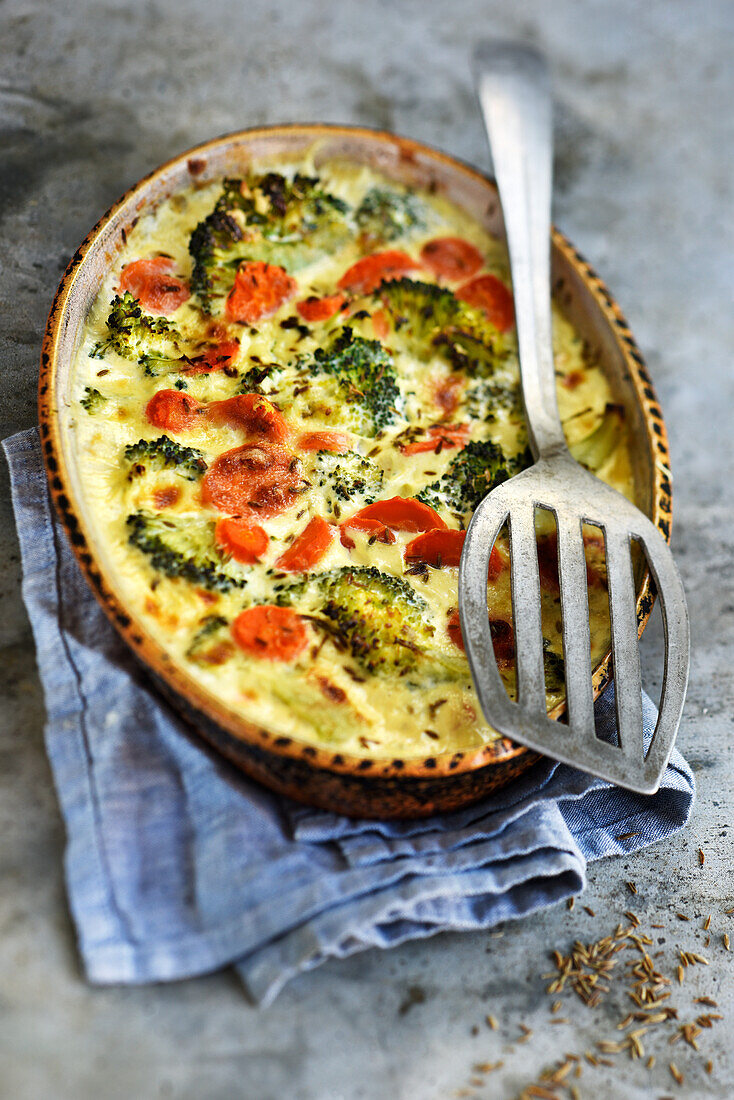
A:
(514, 93)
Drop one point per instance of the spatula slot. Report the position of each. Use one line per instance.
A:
(597, 595)
(546, 533)
(499, 606)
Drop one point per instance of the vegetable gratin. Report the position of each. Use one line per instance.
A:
(292, 391)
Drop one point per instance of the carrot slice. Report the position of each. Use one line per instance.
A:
(439, 548)
(308, 548)
(152, 284)
(486, 292)
(451, 258)
(440, 438)
(259, 290)
(436, 548)
(243, 540)
(372, 527)
(173, 411)
(320, 309)
(258, 479)
(254, 413)
(336, 442)
(271, 632)
(496, 564)
(216, 358)
(401, 514)
(367, 274)
(548, 562)
(503, 641)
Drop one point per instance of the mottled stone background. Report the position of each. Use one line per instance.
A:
(94, 95)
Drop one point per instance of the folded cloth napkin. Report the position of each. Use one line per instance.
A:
(176, 864)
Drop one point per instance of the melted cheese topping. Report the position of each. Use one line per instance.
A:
(325, 696)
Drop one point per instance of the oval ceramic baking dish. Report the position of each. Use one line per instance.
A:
(339, 782)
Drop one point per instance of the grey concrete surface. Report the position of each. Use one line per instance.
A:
(93, 95)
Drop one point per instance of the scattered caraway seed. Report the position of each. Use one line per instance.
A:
(631, 887)
(626, 836)
(682, 916)
(707, 923)
(589, 910)
(491, 1022)
(707, 1020)
(701, 857)
(570, 903)
(588, 971)
(725, 939)
(487, 1067)
(709, 1067)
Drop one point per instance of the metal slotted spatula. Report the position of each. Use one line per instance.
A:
(515, 98)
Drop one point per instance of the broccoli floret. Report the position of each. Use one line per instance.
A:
(344, 476)
(365, 373)
(93, 401)
(280, 221)
(431, 318)
(183, 547)
(151, 341)
(595, 448)
(384, 215)
(380, 619)
(377, 618)
(422, 309)
(477, 469)
(164, 453)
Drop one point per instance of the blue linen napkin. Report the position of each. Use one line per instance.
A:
(176, 864)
